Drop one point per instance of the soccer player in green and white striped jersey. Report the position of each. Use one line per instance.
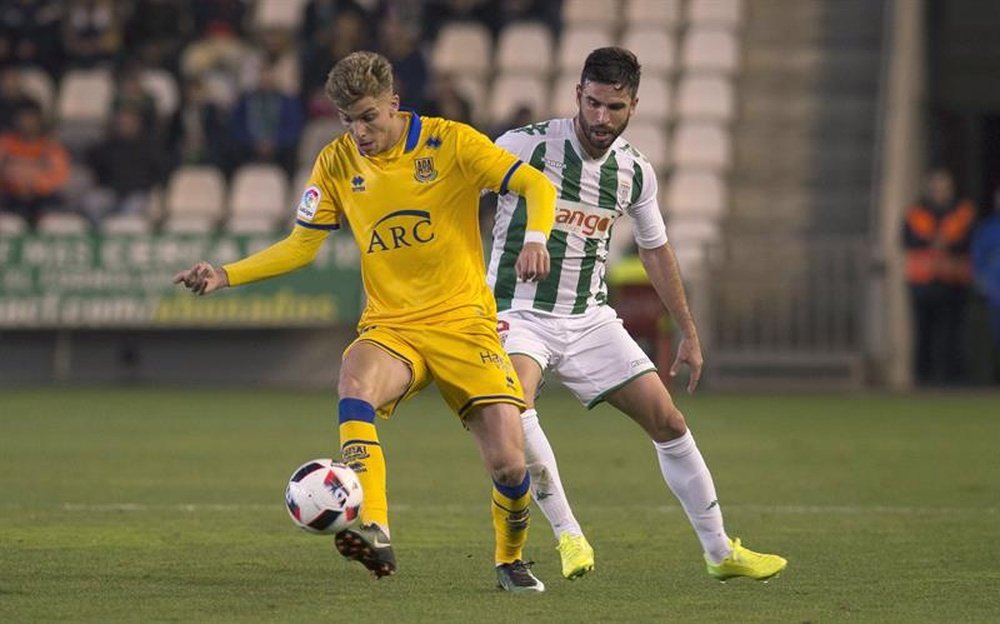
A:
(563, 324)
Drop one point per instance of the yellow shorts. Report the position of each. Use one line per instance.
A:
(465, 359)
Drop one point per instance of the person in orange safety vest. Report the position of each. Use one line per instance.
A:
(936, 238)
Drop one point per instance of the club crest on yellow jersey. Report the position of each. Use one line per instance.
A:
(423, 170)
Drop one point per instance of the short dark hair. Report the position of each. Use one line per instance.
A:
(612, 65)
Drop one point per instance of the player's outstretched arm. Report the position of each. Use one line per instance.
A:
(293, 252)
(202, 278)
(540, 199)
(665, 275)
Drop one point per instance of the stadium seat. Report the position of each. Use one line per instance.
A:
(252, 224)
(258, 190)
(135, 224)
(651, 140)
(563, 97)
(654, 47)
(511, 91)
(654, 99)
(694, 194)
(279, 14)
(577, 42)
(197, 191)
(12, 224)
(38, 85)
(462, 48)
(83, 107)
(693, 229)
(163, 87)
(600, 13)
(524, 47)
(63, 223)
(189, 224)
(317, 134)
(711, 50)
(725, 13)
(708, 97)
(701, 144)
(659, 13)
(474, 89)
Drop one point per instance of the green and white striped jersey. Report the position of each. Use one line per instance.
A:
(591, 195)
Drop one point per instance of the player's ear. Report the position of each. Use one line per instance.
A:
(394, 103)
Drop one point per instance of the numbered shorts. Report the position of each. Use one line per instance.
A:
(465, 359)
(592, 354)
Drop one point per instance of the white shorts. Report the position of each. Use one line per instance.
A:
(592, 354)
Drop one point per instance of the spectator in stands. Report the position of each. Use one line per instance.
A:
(400, 43)
(274, 47)
(30, 33)
(986, 269)
(544, 11)
(936, 231)
(445, 100)
(92, 33)
(198, 130)
(157, 30)
(266, 124)
(127, 165)
(439, 12)
(319, 16)
(216, 58)
(34, 168)
(220, 15)
(131, 94)
(12, 96)
(522, 116)
(348, 32)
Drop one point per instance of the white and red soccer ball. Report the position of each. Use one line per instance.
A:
(323, 496)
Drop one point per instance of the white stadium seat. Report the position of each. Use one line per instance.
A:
(63, 223)
(462, 48)
(662, 13)
(525, 47)
(577, 42)
(707, 97)
(726, 13)
(251, 224)
(38, 85)
(651, 140)
(259, 190)
(474, 89)
(655, 48)
(694, 194)
(279, 14)
(197, 191)
(317, 134)
(12, 224)
(701, 144)
(135, 224)
(512, 91)
(83, 107)
(710, 49)
(563, 100)
(602, 13)
(654, 99)
(189, 224)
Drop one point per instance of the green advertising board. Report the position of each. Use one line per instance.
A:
(95, 281)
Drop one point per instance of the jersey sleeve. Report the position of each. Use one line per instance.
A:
(481, 161)
(649, 230)
(317, 208)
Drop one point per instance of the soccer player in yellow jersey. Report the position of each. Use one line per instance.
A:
(409, 187)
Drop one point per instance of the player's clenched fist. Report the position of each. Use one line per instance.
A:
(533, 262)
(202, 278)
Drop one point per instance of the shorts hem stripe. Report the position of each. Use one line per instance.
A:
(602, 396)
(491, 398)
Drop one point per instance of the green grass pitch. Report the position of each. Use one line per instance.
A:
(142, 505)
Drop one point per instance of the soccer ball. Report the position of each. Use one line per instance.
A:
(323, 496)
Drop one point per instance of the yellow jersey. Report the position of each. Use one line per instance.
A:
(414, 213)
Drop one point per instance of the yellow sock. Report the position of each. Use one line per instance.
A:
(510, 519)
(361, 451)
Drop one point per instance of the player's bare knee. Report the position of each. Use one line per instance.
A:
(668, 424)
(509, 473)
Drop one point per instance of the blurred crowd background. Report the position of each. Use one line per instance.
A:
(800, 144)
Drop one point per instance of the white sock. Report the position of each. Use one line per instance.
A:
(546, 487)
(688, 477)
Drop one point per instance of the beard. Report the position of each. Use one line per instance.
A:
(600, 136)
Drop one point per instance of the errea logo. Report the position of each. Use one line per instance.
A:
(403, 228)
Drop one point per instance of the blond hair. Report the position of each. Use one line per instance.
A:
(357, 75)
